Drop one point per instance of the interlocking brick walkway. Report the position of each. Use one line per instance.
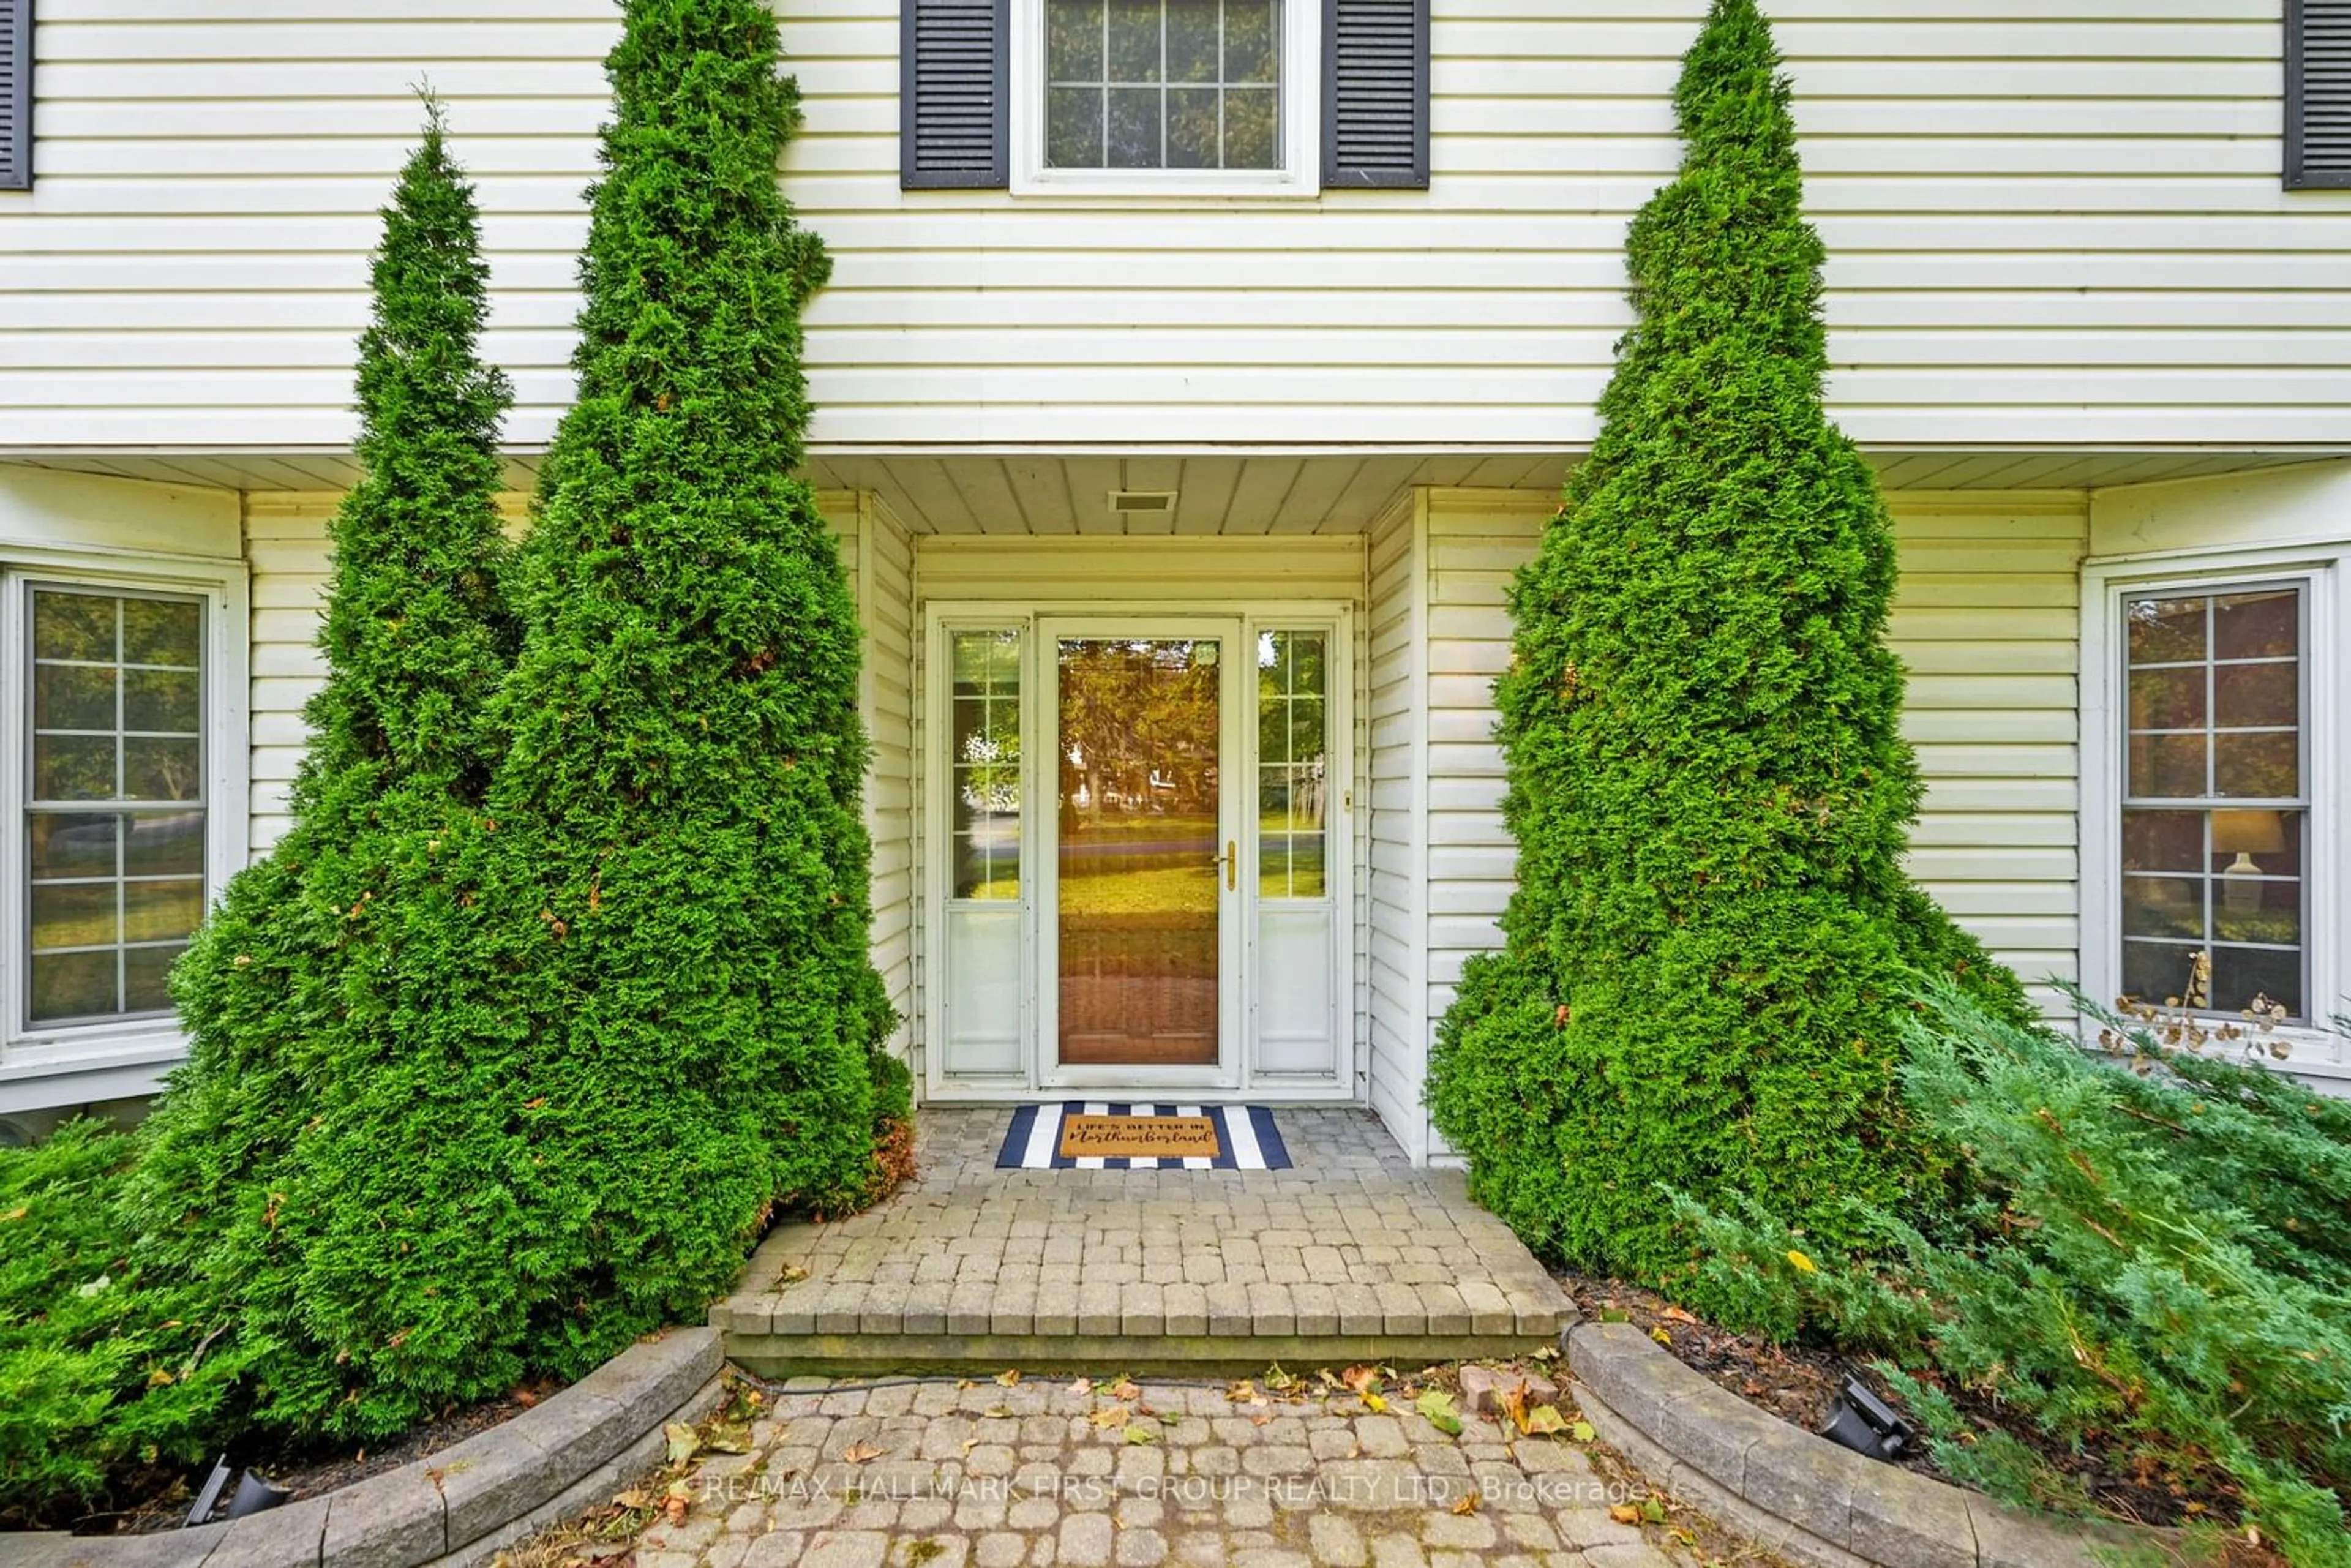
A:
(1348, 1255)
(1053, 1476)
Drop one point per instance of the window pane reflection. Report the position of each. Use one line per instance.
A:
(1293, 763)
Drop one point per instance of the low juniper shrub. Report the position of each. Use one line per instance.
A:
(2154, 1249)
(110, 1369)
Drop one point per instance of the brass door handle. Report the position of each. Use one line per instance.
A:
(1232, 859)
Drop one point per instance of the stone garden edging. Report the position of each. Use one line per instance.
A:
(1812, 1500)
(458, 1506)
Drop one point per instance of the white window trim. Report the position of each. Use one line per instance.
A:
(40, 1051)
(1301, 174)
(2320, 571)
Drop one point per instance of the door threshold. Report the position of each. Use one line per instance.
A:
(1265, 1094)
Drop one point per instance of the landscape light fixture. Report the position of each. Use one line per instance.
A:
(1867, 1425)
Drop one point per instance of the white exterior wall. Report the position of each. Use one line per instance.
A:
(880, 555)
(2052, 222)
(1397, 618)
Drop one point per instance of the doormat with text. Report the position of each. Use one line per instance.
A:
(1100, 1136)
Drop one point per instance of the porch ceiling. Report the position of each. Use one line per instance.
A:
(1216, 493)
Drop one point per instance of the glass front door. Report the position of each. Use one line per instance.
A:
(1143, 862)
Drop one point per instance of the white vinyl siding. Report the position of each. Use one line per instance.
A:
(2049, 224)
(1985, 618)
(882, 566)
(1397, 956)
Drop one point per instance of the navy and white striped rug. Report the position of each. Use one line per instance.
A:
(1247, 1139)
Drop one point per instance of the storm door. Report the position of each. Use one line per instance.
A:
(1142, 862)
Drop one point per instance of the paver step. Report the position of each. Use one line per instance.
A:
(1350, 1255)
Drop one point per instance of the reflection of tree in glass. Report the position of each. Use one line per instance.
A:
(1138, 729)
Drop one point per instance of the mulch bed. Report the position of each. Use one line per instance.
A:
(1800, 1386)
(311, 1469)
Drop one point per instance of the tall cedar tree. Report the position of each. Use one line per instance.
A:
(680, 857)
(308, 994)
(1712, 938)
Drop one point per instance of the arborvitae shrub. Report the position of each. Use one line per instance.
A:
(679, 865)
(2158, 1257)
(314, 1116)
(1712, 937)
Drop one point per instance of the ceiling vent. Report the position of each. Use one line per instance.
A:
(1142, 503)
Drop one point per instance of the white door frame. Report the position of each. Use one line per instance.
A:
(1038, 1075)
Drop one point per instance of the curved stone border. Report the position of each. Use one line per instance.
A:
(1811, 1500)
(458, 1506)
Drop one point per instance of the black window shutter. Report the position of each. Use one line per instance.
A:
(1375, 94)
(16, 94)
(954, 58)
(2318, 93)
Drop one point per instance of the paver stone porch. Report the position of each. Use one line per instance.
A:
(1348, 1255)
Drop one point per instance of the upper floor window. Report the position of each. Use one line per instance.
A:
(1164, 97)
(1162, 84)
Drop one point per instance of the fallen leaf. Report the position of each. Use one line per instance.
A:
(1675, 1316)
(1362, 1378)
(727, 1441)
(681, 1441)
(631, 1499)
(1543, 1420)
(680, 1498)
(1124, 1389)
(1803, 1264)
(1259, 1420)
(18, 1213)
(1623, 1513)
(860, 1452)
(1653, 1511)
(1244, 1393)
(1278, 1380)
(1109, 1415)
(1008, 1376)
(1139, 1433)
(1437, 1407)
(969, 1445)
(1514, 1404)
(1660, 1335)
(1583, 1432)
(792, 1274)
(1466, 1504)
(1168, 1418)
(1375, 1405)
(1084, 1386)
